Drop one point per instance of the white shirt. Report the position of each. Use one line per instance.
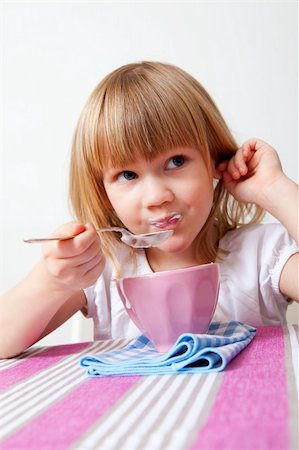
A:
(249, 282)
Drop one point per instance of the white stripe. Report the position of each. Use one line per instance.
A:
(32, 396)
(45, 374)
(19, 402)
(178, 402)
(43, 394)
(120, 424)
(120, 416)
(29, 413)
(39, 379)
(142, 427)
(48, 374)
(191, 417)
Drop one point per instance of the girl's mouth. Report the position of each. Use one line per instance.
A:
(167, 222)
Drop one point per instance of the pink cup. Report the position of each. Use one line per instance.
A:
(164, 305)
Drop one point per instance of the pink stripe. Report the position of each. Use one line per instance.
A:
(27, 367)
(242, 419)
(68, 419)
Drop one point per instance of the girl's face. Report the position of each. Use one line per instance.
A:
(173, 191)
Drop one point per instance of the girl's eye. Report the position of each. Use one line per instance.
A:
(126, 175)
(176, 161)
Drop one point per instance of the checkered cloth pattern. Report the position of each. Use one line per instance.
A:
(192, 353)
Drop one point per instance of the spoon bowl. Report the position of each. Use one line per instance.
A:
(146, 240)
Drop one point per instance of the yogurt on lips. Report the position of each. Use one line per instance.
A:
(168, 222)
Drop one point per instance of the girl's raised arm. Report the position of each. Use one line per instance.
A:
(255, 175)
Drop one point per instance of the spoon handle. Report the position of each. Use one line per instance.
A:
(46, 239)
(61, 237)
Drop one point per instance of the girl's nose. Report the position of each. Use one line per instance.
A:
(156, 192)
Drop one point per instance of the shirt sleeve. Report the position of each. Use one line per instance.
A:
(250, 273)
(278, 247)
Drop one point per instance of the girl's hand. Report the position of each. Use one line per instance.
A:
(76, 263)
(252, 172)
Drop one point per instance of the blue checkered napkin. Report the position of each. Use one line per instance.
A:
(191, 353)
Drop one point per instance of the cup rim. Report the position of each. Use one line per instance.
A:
(166, 272)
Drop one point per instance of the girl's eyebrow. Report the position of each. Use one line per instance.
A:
(112, 171)
(120, 168)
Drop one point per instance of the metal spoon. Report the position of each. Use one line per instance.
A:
(133, 240)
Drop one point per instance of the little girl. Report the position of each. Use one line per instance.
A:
(152, 152)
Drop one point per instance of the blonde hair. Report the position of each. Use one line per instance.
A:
(141, 110)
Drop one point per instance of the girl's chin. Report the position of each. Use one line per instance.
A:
(175, 245)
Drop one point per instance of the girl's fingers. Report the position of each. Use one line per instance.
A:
(227, 178)
(238, 165)
(243, 162)
(72, 247)
(79, 244)
(222, 166)
(75, 267)
(219, 169)
(76, 261)
(62, 265)
(93, 263)
(248, 149)
(70, 228)
(235, 167)
(242, 157)
(69, 261)
(92, 274)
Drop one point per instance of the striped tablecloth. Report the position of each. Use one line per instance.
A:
(47, 402)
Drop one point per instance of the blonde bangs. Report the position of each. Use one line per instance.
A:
(139, 118)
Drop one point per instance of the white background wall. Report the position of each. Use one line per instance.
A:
(54, 53)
